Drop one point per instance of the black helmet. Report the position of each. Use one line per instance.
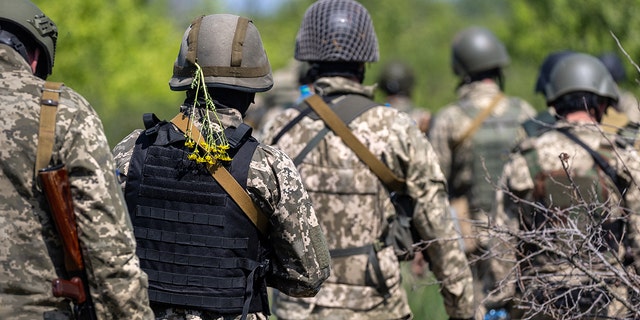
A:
(23, 18)
(336, 31)
(545, 68)
(229, 50)
(580, 72)
(614, 64)
(476, 50)
(396, 77)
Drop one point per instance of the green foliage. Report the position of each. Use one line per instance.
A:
(117, 54)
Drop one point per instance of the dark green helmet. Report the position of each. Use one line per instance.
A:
(229, 50)
(580, 72)
(396, 77)
(613, 62)
(476, 50)
(545, 68)
(26, 19)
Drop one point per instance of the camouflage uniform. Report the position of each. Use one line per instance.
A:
(518, 181)
(460, 165)
(451, 122)
(420, 116)
(301, 261)
(31, 253)
(353, 207)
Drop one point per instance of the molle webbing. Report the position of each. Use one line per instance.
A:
(194, 242)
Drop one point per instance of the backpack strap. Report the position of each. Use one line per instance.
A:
(290, 125)
(46, 133)
(340, 128)
(477, 121)
(226, 180)
(356, 106)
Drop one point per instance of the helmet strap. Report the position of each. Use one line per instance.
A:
(11, 40)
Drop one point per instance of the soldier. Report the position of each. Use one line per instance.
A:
(397, 81)
(218, 216)
(544, 119)
(473, 136)
(354, 206)
(625, 120)
(32, 254)
(573, 196)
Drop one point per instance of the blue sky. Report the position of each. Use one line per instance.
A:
(262, 6)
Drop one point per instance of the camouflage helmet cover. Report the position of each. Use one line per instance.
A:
(229, 50)
(337, 30)
(476, 49)
(580, 72)
(28, 18)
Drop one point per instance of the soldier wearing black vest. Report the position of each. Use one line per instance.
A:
(218, 217)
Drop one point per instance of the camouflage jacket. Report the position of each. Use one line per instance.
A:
(451, 122)
(301, 259)
(404, 104)
(353, 207)
(518, 184)
(31, 253)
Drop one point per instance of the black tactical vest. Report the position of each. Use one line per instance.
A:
(197, 246)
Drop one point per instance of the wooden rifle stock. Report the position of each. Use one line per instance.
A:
(57, 190)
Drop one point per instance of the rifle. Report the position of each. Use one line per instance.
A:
(55, 183)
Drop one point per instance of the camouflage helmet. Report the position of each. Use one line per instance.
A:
(477, 49)
(337, 30)
(396, 77)
(22, 16)
(580, 72)
(229, 50)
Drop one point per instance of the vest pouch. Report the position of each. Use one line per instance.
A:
(400, 235)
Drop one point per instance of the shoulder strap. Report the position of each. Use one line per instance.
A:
(303, 113)
(356, 106)
(227, 181)
(340, 128)
(600, 161)
(477, 121)
(46, 132)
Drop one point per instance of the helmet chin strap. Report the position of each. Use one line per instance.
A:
(11, 40)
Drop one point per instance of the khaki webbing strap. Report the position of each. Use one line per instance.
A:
(238, 41)
(192, 40)
(222, 71)
(478, 120)
(46, 132)
(337, 125)
(226, 180)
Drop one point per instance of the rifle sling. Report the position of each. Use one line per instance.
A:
(226, 180)
(340, 128)
(477, 121)
(46, 132)
(347, 110)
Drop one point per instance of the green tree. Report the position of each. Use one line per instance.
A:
(118, 54)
